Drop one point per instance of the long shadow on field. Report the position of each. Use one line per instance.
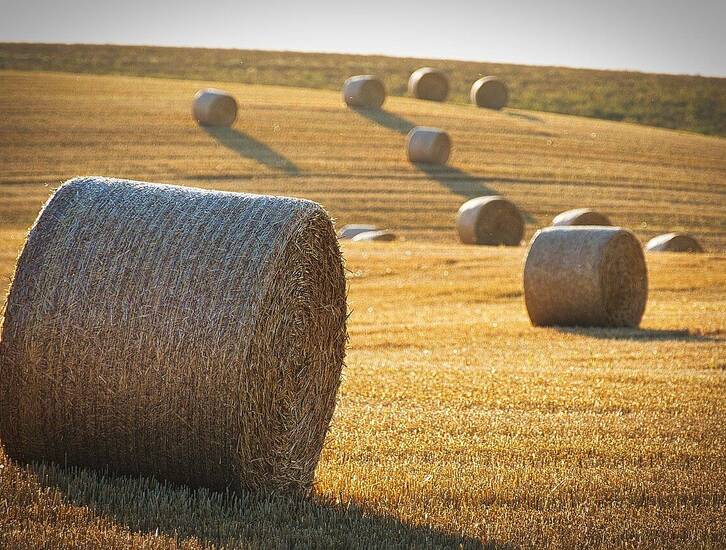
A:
(231, 519)
(457, 181)
(636, 334)
(530, 118)
(248, 147)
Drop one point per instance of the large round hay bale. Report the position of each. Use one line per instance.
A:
(196, 336)
(490, 92)
(580, 216)
(490, 221)
(428, 83)
(382, 235)
(365, 91)
(428, 145)
(213, 107)
(673, 242)
(352, 229)
(585, 276)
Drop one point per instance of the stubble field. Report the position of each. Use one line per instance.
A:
(458, 423)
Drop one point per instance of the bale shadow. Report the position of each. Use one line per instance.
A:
(228, 519)
(637, 334)
(457, 181)
(248, 147)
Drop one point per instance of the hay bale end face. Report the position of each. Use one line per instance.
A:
(380, 236)
(365, 91)
(580, 216)
(428, 145)
(490, 92)
(212, 107)
(490, 221)
(196, 336)
(673, 242)
(585, 276)
(351, 230)
(428, 83)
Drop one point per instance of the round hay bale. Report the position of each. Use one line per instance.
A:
(585, 276)
(673, 242)
(428, 145)
(192, 335)
(490, 221)
(382, 236)
(428, 83)
(490, 92)
(364, 91)
(351, 230)
(580, 216)
(213, 107)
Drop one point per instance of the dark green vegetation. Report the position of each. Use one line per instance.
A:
(670, 101)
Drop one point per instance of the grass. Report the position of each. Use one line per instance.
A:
(672, 101)
(459, 424)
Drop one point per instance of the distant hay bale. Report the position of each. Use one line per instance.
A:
(212, 107)
(580, 216)
(428, 83)
(428, 145)
(585, 276)
(673, 242)
(381, 235)
(364, 91)
(196, 336)
(490, 92)
(490, 221)
(351, 230)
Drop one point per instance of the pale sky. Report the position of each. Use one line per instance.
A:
(685, 36)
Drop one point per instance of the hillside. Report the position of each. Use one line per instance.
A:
(684, 102)
(459, 425)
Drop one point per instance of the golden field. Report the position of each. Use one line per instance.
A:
(458, 423)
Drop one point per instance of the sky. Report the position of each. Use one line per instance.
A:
(665, 36)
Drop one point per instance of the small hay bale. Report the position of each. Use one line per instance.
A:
(428, 83)
(192, 335)
(351, 230)
(490, 221)
(365, 91)
(490, 92)
(428, 145)
(585, 276)
(673, 242)
(212, 107)
(580, 216)
(381, 235)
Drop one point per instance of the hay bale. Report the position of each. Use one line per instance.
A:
(490, 221)
(381, 235)
(196, 336)
(428, 83)
(428, 145)
(673, 242)
(351, 230)
(490, 92)
(364, 91)
(585, 276)
(580, 216)
(212, 107)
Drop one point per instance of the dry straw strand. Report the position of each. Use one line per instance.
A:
(196, 336)
(585, 276)
(673, 242)
(490, 92)
(490, 221)
(580, 216)
(365, 91)
(428, 145)
(428, 83)
(212, 107)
